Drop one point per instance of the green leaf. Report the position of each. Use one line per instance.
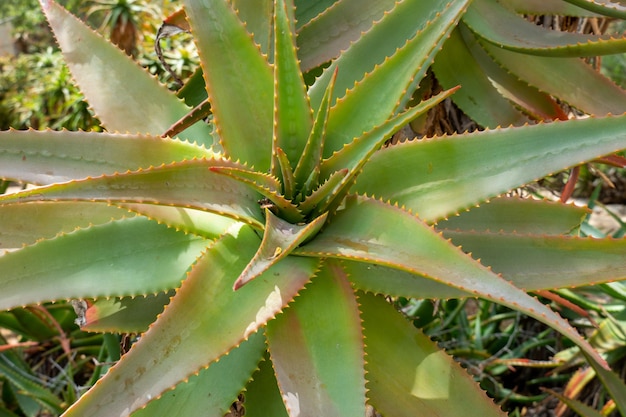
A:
(204, 321)
(280, 238)
(386, 90)
(422, 381)
(542, 7)
(45, 157)
(189, 184)
(132, 100)
(374, 232)
(606, 8)
(318, 352)
(292, 113)
(578, 407)
(311, 158)
(569, 79)
(229, 55)
(439, 177)
(500, 26)
(323, 37)
(521, 215)
(478, 96)
(125, 315)
(18, 227)
(262, 395)
(211, 391)
(97, 261)
(535, 262)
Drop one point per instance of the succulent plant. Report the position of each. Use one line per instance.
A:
(250, 227)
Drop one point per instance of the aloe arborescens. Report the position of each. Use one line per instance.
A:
(279, 221)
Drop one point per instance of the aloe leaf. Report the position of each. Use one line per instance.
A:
(292, 113)
(310, 377)
(198, 222)
(228, 55)
(262, 395)
(307, 10)
(18, 227)
(606, 8)
(185, 338)
(537, 104)
(399, 24)
(535, 262)
(355, 154)
(284, 170)
(521, 215)
(438, 177)
(323, 194)
(75, 265)
(380, 279)
(569, 79)
(375, 232)
(542, 7)
(211, 391)
(198, 113)
(188, 184)
(323, 37)
(124, 315)
(257, 16)
(134, 102)
(500, 26)
(386, 90)
(477, 97)
(280, 238)
(425, 382)
(311, 158)
(45, 157)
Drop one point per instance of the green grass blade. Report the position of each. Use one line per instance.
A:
(318, 352)
(425, 381)
(439, 177)
(76, 264)
(173, 349)
(123, 95)
(229, 55)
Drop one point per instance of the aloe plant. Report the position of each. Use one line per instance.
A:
(254, 251)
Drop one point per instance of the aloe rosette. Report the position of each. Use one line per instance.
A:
(253, 251)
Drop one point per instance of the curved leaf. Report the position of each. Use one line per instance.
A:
(439, 177)
(375, 232)
(425, 381)
(188, 184)
(505, 29)
(318, 352)
(521, 215)
(97, 262)
(204, 321)
(228, 55)
(211, 391)
(45, 157)
(132, 102)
